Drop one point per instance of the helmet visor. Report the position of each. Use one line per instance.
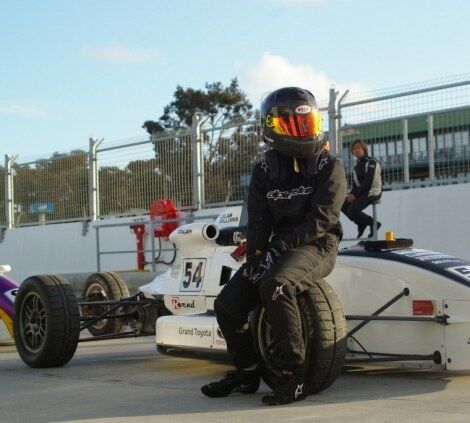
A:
(296, 125)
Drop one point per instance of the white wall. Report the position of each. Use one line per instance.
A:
(437, 218)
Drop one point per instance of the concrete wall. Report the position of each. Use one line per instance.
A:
(437, 218)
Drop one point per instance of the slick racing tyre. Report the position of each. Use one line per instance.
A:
(324, 333)
(104, 286)
(46, 323)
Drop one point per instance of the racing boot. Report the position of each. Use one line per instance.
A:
(360, 229)
(371, 234)
(242, 381)
(291, 389)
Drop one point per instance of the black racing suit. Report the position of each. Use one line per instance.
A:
(367, 188)
(300, 215)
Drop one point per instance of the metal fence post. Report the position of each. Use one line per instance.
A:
(332, 122)
(406, 152)
(431, 147)
(93, 184)
(339, 138)
(197, 162)
(9, 191)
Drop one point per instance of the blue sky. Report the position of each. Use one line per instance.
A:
(74, 69)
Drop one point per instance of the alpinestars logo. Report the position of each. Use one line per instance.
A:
(322, 163)
(264, 166)
(268, 260)
(287, 195)
(278, 292)
(299, 390)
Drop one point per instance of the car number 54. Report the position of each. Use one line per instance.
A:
(193, 275)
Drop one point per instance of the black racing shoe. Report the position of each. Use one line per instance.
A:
(371, 234)
(242, 381)
(291, 389)
(360, 230)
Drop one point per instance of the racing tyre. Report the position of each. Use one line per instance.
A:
(104, 286)
(324, 331)
(46, 323)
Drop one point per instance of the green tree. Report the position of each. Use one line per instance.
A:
(216, 102)
(219, 106)
(61, 180)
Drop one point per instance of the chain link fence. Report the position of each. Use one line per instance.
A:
(420, 133)
(54, 189)
(3, 202)
(432, 117)
(134, 173)
(229, 153)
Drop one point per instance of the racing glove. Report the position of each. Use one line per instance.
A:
(257, 266)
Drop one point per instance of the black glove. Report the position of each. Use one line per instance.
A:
(257, 266)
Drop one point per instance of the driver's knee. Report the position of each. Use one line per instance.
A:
(273, 289)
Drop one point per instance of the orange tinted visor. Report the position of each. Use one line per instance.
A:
(296, 125)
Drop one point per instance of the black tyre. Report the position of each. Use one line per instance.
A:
(46, 323)
(324, 331)
(104, 286)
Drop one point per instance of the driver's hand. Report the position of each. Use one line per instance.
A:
(351, 198)
(259, 264)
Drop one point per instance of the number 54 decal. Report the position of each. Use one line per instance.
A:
(193, 274)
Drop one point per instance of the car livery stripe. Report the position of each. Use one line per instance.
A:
(8, 321)
(423, 259)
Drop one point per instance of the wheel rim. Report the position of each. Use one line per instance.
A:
(95, 292)
(33, 322)
(266, 343)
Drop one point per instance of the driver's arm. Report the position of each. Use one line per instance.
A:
(259, 226)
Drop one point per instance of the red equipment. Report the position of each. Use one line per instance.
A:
(164, 209)
(160, 209)
(139, 232)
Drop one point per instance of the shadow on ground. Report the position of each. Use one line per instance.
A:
(128, 378)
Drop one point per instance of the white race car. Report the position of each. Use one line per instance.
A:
(384, 302)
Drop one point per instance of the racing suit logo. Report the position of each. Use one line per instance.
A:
(287, 195)
(298, 390)
(278, 292)
(322, 163)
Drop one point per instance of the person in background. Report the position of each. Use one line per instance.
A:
(366, 189)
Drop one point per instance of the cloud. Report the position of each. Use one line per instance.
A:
(273, 71)
(117, 53)
(22, 108)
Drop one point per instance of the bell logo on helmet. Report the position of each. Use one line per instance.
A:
(303, 109)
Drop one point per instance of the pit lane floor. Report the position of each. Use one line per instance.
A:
(127, 380)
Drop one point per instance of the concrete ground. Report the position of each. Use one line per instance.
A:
(127, 380)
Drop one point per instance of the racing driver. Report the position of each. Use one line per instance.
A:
(294, 202)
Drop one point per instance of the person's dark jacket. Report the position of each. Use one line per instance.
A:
(367, 179)
(294, 208)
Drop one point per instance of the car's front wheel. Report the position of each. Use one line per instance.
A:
(46, 322)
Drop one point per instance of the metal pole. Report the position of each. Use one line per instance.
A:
(332, 122)
(406, 153)
(98, 253)
(338, 123)
(93, 185)
(197, 162)
(431, 147)
(9, 191)
(152, 241)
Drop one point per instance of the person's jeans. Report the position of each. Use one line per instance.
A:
(354, 210)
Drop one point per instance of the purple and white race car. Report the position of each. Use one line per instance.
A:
(8, 290)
